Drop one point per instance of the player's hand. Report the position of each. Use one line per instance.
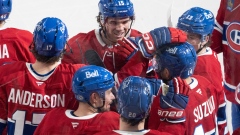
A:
(123, 52)
(126, 48)
(149, 42)
(174, 99)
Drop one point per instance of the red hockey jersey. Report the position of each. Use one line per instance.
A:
(26, 97)
(14, 45)
(226, 39)
(201, 111)
(92, 40)
(144, 132)
(60, 121)
(209, 67)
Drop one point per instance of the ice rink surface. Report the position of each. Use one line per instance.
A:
(80, 15)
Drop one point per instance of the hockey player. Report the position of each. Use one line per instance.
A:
(225, 39)
(199, 35)
(28, 91)
(135, 98)
(92, 87)
(199, 116)
(115, 20)
(14, 42)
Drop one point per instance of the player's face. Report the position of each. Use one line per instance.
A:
(116, 28)
(109, 97)
(194, 39)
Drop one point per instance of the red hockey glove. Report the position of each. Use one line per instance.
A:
(126, 48)
(123, 52)
(149, 42)
(173, 100)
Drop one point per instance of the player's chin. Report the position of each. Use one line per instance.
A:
(119, 37)
(107, 107)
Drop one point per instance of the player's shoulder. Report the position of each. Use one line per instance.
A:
(201, 79)
(156, 132)
(109, 115)
(13, 66)
(80, 36)
(12, 70)
(22, 38)
(107, 133)
(15, 32)
(57, 110)
(203, 83)
(70, 67)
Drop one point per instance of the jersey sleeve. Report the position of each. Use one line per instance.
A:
(218, 28)
(136, 66)
(76, 48)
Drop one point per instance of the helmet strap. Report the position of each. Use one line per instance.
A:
(129, 28)
(201, 46)
(99, 109)
(70, 49)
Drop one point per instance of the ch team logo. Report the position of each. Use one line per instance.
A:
(233, 36)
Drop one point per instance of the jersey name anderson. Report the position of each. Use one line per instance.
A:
(36, 100)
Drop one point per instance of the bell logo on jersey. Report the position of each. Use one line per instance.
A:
(91, 74)
(204, 110)
(233, 36)
(4, 51)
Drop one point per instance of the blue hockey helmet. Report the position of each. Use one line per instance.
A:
(5, 9)
(134, 97)
(50, 37)
(115, 8)
(197, 20)
(180, 59)
(89, 79)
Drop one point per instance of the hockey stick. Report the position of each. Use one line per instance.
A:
(169, 15)
(93, 58)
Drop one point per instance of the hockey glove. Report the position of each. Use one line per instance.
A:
(126, 49)
(149, 42)
(173, 100)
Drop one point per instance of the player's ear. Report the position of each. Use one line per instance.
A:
(166, 74)
(206, 40)
(94, 98)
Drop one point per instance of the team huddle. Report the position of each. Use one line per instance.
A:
(115, 80)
